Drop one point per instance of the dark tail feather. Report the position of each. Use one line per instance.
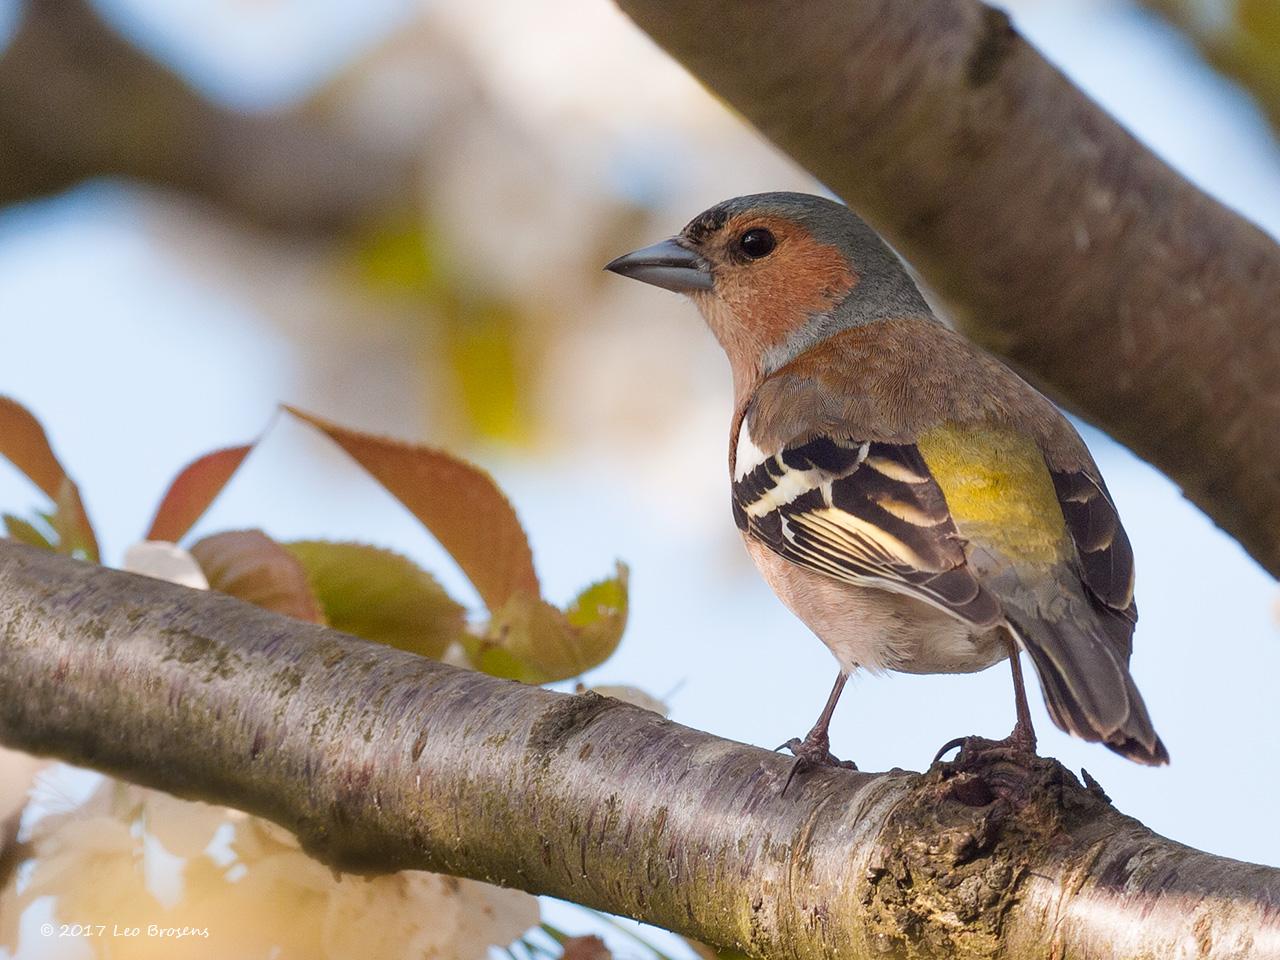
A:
(1088, 689)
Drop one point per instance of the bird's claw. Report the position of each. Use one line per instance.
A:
(1019, 745)
(811, 753)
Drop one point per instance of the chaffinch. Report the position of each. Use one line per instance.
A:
(911, 499)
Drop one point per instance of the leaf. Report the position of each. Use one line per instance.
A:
(251, 566)
(459, 503)
(195, 487)
(588, 947)
(482, 341)
(25, 532)
(24, 443)
(531, 640)
(380, 595)
(400, 255)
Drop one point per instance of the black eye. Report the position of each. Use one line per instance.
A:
(757, 243)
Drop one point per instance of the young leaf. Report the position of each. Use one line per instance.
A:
(195, 487)
(528, 639)
(24, 444)
(25, 532)
(380, 595)
(459, 503)
(250, 565)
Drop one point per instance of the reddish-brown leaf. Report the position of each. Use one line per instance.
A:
(459, 503)
(589, 947)
(192, 490)
(24, 443)
(251, 566)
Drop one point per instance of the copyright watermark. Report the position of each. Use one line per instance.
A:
(150, 931)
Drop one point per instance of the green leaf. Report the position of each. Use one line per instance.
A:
(528, 639)
(26, 532)
(380, 595)
(251, 566)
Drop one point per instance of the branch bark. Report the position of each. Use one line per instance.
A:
(1060, 241)
(380, 760)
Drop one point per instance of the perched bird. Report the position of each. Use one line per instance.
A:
(911, 499)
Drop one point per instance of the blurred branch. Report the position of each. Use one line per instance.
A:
(1059, 240)
(1241, 39)
(77, 101)
(381, 760)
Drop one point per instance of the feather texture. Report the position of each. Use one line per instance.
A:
(867, 513)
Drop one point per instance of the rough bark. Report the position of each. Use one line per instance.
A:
(77, 102)
(382, 761)
(1058, 239)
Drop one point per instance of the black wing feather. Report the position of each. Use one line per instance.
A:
(863, 511)
(1106, 556)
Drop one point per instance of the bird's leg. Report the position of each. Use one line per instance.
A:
(815, 749)
(1023, 738)
(1024, 735)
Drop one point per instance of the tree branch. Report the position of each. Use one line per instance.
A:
(77, 101)
(1060, 240)
(381, 761)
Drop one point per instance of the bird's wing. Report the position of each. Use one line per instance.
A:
(866, 512)
(1106, 558)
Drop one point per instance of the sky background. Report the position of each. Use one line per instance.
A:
(137, 357)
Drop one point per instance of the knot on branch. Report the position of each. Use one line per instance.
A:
(994, 45)
(956, 851)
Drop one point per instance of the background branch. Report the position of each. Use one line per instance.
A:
(1057, 238)
(381, 760)
(77, 101)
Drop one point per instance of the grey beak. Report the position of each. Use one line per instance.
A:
(667, 264)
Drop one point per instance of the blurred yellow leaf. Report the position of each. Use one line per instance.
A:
(399, 255)
(459, 503)
(484, 344)
(1261, 20)
(381, 596)
(251, 566)
(195, 487)
(24, 444)
(1239, 37)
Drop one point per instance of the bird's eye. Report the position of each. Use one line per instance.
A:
(757, 243)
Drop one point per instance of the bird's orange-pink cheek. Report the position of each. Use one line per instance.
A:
(782, 295)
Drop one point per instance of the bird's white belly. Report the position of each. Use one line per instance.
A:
(875, 628)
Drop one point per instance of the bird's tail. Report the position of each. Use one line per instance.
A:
(1087, 685)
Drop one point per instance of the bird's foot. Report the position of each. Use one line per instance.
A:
(1019, 745)
(810, 753)
(985, 769)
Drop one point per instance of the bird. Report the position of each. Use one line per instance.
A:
(910, 498)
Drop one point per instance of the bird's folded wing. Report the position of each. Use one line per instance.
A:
(865, 512)
(1106, 558)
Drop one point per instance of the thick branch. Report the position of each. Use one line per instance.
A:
(382, 761)
(77, 101)
(1061, 241)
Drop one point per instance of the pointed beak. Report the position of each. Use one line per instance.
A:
(667, 264)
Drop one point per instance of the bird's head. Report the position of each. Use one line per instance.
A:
(776, 273)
